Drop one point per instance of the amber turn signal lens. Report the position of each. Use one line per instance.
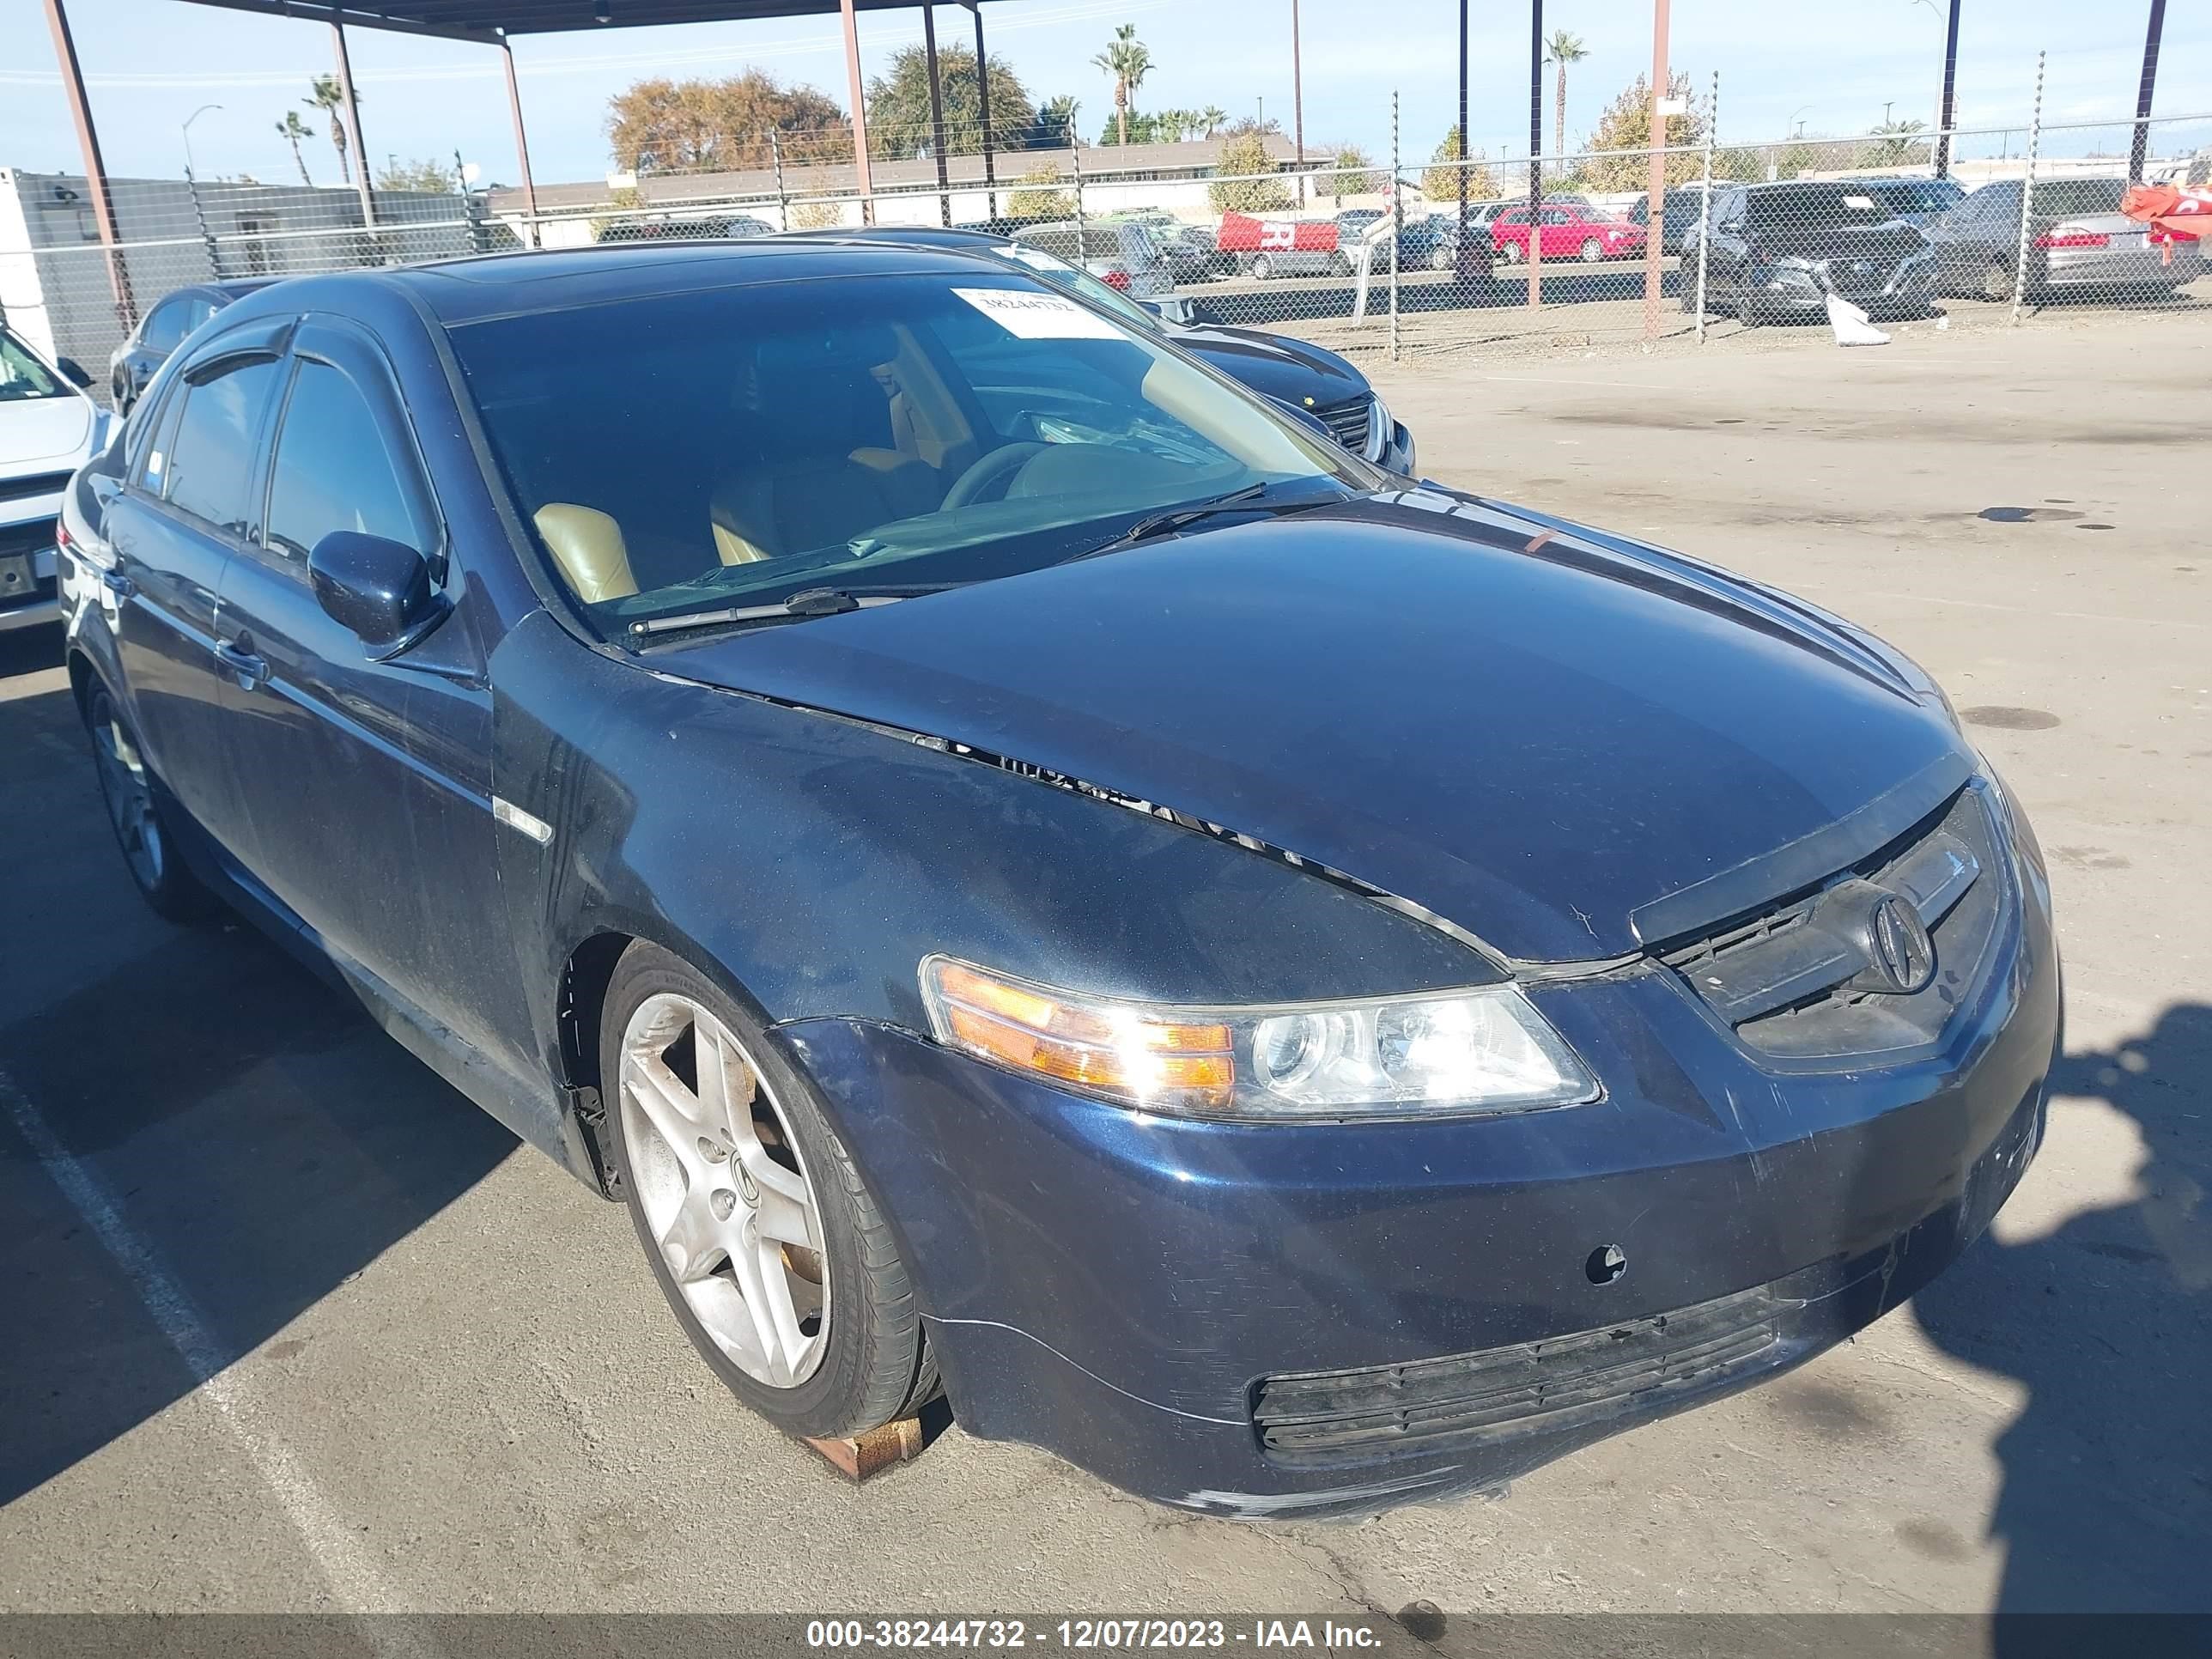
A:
(1107, 1048)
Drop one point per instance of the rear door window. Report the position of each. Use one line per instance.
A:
(208, 469)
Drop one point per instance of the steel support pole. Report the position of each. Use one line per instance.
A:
(859, 113)
(1706, 203)
(983, 111)
(1946, 117)
(353, 122)
(1298, 103)
(936, 116)
(2028, 194)
(2139, 147)
(1535, 153)
(1652, 280)
(95, 170)
(521, 140)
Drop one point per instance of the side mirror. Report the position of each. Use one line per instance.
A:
(73, 371)
(378, 589)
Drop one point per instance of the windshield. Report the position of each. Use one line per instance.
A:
(1918, 195)
(23, 377)
(1809, 206)
(1085, 286)
(685, 453)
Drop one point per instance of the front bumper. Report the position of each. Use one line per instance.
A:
(37, 602)
(1907, 290)
(1144, 1295)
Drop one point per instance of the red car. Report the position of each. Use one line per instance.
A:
(1571, 231)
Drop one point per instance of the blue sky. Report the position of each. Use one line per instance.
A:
(1834, 67)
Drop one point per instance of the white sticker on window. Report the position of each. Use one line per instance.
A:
(1866, 202)
(154, 464)
(1037, 259)
(1039, 316)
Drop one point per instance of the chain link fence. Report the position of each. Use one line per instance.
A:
(1382, 255)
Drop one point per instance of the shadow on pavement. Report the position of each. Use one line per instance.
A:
(260, 1136)
(2108, 1497)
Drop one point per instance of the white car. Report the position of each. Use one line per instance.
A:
(48, 429)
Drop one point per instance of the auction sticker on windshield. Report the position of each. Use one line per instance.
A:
(1039, 316)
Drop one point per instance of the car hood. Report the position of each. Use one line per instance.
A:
(1572, 750)
(1275, 366)
(44, 430)
(1887, 243)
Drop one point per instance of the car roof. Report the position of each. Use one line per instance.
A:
(457, 292)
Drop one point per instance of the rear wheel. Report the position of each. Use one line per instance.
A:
(767, 1244)
(1592, 252)
(1514, 253)
(141, 815)
(1263, 268)
(1998, 284)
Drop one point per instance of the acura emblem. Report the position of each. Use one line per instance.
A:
(1904, 955)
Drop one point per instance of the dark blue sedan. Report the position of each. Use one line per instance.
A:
(1033, 874)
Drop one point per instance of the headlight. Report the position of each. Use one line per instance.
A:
(1484, 1050)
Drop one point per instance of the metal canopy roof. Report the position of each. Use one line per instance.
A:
(489, 20)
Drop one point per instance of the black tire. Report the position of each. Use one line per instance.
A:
(1262, 268)
(143, 816)
(1998, 284)
(876, 1367)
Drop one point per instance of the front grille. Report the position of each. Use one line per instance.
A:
(1799, 979)
(1349, 421)
(1319, 1418)
(36, 484)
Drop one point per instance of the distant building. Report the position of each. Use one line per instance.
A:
(1171, 177)
(54, 286)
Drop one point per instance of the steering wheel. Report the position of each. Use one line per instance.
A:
(1001, 462)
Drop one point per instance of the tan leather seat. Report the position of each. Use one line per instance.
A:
(588, 546)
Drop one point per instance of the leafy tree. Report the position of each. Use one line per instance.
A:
(723, 124)
(1564, 47)
(1896, 144)
(1623, 134)
(817, 216)
(1232, 193)
(291, 129)
(1055, 122)
(324, 93)
(898, 106)
(1440, 181)
(1036, 195)
(428, 175)
(1128, 61)
(1352, 176)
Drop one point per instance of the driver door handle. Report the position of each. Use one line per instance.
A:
(118, 584)
(250, 670)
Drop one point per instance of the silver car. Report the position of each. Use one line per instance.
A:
(1119, 253)
(2078, 241)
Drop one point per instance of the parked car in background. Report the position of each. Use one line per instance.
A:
(1444, 239)
(1311, 379)
(1193, 252)
(49, 427)
(1571, 230)
(1415, 245)
(1918, 202)
(711, 227)
(1119, 253)
(1027, 871)
(162, 329)
(2079, 242)
(1679, 213)
(1780, 250)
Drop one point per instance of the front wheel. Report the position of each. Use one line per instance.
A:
(137, 809)
(1998, 284)
(1514, 253)
(1262, 268)
(1592, 252)
(766, 1242)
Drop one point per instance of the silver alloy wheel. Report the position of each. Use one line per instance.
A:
(1591, 252)
(726, 1195)
(129, 792)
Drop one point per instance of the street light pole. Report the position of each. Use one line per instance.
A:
(1536, 150)
(1652, 236)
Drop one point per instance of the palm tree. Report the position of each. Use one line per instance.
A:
(1564, 47)
(292, 129)
(1211, 120)
(1126, 59)
(324, 93)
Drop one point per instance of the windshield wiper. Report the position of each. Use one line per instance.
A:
(795, 607)
(1250, 499)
